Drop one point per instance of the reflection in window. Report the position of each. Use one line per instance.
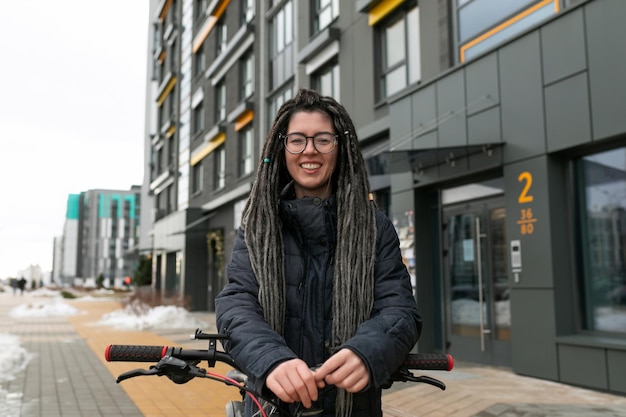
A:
(602, 184)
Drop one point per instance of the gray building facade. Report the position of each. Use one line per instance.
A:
(495, 139)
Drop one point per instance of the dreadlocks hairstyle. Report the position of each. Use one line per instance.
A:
(353, 280)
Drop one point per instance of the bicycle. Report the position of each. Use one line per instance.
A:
(180, 366)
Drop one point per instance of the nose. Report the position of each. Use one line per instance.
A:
(310, 146)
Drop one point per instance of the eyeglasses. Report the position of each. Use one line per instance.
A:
(323, 142)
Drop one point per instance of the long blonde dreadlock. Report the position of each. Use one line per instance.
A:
(355, 253)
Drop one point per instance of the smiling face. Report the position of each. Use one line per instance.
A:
(311, 171)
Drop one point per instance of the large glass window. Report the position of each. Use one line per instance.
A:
(247, 76)
(247, 10)
(602, 188)
(199, 62)
(219, 177)
(198, 119)
(246, 150)
(282, 45)
(221, 35)
(171, 151)
(326, 80)
(278, 101)
(325, 12)
(484, 24)
(220, 102)
(196, 178)
(199, 9)
(400, 52)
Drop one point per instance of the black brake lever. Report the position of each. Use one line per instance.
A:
(404, 375)
(136, 372)
(429, 380)
(175, 369)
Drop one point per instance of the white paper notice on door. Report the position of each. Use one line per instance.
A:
(468, 250)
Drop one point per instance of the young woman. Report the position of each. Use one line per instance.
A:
(318, 304)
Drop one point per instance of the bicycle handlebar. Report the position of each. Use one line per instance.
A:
(139, 353)
(179, 365)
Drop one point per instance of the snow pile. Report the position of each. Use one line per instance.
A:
(140, 316)
(55, 308)
(13, 357)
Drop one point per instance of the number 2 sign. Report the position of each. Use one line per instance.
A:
(526, 221)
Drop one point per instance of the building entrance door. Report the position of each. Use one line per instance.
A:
(475, 259)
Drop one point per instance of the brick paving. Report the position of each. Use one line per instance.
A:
(68, 377)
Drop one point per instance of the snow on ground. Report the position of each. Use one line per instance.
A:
(140, 316)
(53, 308)
(13, 359)
(50, 303)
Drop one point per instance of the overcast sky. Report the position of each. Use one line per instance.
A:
(71, 114)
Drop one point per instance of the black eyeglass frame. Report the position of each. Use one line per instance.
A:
(306, 138)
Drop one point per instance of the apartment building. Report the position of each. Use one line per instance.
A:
(100, 231)
(495, 139)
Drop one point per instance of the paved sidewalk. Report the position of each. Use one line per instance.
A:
(64, 378)
(68, 377)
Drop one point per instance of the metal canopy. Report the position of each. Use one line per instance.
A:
(418, 160)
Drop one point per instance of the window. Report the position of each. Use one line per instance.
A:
(282, 45)
(247, 75)
(484, 24)
(171, 152)
(246, 150)
(247, 9)
(199, 9)
(159, 161)
(197, 119)
(219, 179)
(602, 188)
(400, 52)
(172, 57)
(199, 62)
(325, 12)
(278, 101)
(222, 35)
(326, 80)
(196, 178)
(220, 102)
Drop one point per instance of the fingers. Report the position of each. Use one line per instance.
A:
(344, 369)
(293, 381)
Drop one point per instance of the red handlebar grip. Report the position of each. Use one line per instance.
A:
(429, 361)
(134, 353)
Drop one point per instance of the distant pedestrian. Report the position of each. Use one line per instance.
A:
(21, 284)
(14, 285)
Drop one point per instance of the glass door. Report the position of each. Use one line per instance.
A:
(477, 289)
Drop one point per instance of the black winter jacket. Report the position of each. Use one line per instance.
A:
(309, 235)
